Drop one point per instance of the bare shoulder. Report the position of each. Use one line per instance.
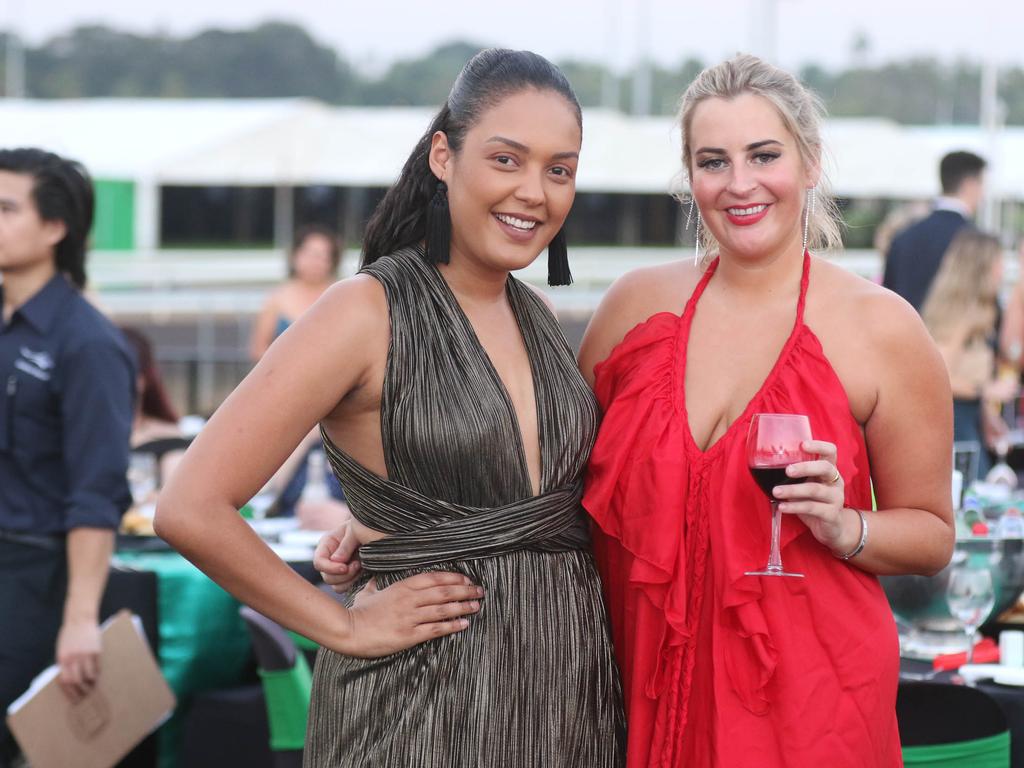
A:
(274, 298)
(873, 312)
(542, 296)
(355, 302)
(875, 341)
(347, 327)
(633, 298)
(642, 293)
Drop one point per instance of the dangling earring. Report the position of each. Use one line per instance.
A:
(696, 237)
(558, 261)
(439, 226)
(808, 212)
(696, 242)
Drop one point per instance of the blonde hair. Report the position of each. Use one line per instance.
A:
(963, 289)
(801, 112)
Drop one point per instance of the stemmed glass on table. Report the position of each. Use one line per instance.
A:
(970, 597)
(773, 443)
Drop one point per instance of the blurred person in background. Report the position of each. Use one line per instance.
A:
(66, 404)
(915, 254)
(312, 267)
(1011, 338)
(305, 489)
(961, 313)
(456, 418)
(155, 427)
(896, 221)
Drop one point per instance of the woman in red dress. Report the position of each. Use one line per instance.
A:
(721, 668)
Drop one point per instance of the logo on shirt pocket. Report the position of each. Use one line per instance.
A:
(38, 365)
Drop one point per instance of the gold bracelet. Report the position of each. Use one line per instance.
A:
(863, 537)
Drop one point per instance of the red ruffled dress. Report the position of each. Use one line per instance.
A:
(718, 668)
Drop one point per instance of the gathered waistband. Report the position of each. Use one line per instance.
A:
(551, 522)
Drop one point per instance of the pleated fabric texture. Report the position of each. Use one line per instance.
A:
(532, 681)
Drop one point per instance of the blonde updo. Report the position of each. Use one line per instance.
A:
(801, 112)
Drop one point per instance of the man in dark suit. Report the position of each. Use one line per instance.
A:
(916, 253)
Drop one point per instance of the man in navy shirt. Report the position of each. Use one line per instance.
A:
(916, 253)
(66, 398)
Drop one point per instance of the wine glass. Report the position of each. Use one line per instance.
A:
(1001, 472)
(142, 476)
(970, 597)
(773, 443)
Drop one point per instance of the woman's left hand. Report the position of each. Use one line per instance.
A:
(818, 502)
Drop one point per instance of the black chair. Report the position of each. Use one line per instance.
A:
(286, 686)
(226, 727)
(946, 724)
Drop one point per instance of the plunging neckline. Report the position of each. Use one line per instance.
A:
(685, 325)
(502, 387)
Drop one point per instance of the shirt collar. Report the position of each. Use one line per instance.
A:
(943, 203)
(41, 310)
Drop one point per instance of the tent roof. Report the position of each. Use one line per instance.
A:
(302, 142)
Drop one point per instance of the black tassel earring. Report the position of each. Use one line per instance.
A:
(558, 261)
(439, 226)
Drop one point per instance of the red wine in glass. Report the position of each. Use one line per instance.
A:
(773, 443)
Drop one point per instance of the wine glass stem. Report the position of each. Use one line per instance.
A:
(970, 644)
(774, 556)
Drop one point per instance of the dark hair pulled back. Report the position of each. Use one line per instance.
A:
(490, 76)
(62, 191)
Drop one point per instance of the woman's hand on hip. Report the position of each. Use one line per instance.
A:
(410, 612)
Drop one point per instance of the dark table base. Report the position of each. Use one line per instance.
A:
(1009, 698)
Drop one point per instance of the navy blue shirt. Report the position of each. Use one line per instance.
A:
(916, 254)
(67, 388)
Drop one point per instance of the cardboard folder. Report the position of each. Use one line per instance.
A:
(130, 699)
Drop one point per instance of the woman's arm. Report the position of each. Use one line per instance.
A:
(910, 444)
(1011, 336)
(952, 352)
(327, 357)
(909, 434)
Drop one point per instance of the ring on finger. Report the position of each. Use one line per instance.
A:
(834, 479)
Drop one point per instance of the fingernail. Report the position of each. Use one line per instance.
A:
(463, 623)
(474, 605)
(480, 591)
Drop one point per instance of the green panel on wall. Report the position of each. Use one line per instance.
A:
(114, 222)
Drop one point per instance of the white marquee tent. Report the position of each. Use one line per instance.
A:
(290, 142)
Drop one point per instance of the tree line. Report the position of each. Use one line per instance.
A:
(283, 60)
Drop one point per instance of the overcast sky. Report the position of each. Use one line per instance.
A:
(372, 33)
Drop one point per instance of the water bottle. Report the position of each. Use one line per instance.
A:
(315, 489)
(958, 489)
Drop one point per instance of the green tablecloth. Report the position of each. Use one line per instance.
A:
(989, 752)
(203, 641)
